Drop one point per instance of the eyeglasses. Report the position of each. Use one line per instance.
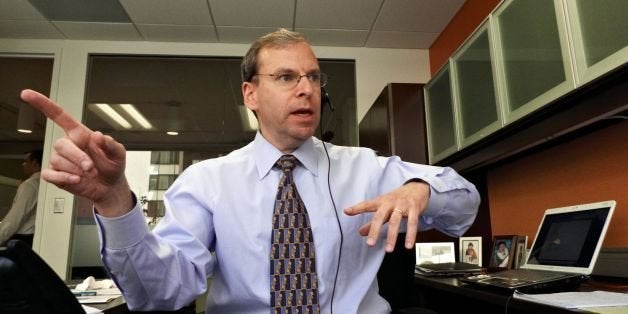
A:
(291, 80)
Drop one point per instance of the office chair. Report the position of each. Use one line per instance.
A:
(396, 279)
(28, 285)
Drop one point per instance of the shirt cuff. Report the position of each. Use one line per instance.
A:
(122, 232)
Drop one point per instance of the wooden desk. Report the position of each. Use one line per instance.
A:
(450, 295)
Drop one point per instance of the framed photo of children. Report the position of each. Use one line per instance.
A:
(503, 250)
(471, 250)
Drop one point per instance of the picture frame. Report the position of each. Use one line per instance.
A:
(470, 249)
(502, 254)
(521, 251)
(435, 253)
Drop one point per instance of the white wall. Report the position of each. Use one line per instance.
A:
(374, 69)
(138, 172)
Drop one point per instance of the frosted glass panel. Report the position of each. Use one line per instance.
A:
(604, 25)
(531, 50)
(478, 106)
(440, 114)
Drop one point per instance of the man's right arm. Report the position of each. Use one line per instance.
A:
(148, 269)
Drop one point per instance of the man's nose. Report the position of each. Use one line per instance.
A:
(305, 85)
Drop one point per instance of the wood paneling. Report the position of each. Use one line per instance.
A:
(587, 169)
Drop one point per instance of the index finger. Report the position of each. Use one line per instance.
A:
(362, 207)
(53, 111)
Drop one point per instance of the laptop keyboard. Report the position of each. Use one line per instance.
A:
(529, 275)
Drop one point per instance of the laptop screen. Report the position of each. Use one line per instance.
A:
(570, 238)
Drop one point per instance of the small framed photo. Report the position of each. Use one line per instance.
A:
(435, 253)
(502, 255)
(521, 251)
(471, 250)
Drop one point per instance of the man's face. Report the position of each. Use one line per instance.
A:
(287, 115)
(30, 165)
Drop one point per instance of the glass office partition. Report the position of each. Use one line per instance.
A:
(21, 127)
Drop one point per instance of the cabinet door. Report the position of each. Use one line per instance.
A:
(532, 55)
(474, 88)
(600, 36)
(374, 129)
(439, 111)
(395, 123)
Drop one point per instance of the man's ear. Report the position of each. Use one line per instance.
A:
(249, 95)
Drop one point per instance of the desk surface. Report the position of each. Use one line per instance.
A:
(450, 295)
(115, 306)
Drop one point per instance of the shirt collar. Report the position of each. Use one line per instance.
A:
(266, 155)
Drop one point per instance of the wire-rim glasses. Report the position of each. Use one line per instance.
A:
(292, 79)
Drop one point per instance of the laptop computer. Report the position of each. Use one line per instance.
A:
(563, 253)
(447, 269)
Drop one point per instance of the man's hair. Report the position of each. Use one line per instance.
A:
(36, 155)
(279, 38)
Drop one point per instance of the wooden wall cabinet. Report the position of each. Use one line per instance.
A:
(395, 123)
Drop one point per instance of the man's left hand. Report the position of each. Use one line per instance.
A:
(408, 201)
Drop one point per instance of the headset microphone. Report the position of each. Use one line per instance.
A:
(328, 135)
(326, 100)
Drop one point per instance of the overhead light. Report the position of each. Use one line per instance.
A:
(25, 119)
(107, 113)
(136, 115)
(249, 121)
(174, 123)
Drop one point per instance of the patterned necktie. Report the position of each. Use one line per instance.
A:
(293, 285)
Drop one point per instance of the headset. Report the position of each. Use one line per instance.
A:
(325, 100)
(326, 137)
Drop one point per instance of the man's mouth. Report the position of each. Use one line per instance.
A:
(303, 112)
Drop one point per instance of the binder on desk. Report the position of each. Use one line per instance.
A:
(447, 269)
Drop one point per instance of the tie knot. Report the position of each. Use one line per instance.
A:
(286, 162)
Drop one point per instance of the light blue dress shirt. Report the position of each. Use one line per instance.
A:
(218, 223)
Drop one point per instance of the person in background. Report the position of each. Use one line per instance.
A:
(19, 222)
(219, 212)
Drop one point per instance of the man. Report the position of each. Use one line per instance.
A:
(219, 219)
(19, 222)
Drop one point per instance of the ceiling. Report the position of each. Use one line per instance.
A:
(404, 24)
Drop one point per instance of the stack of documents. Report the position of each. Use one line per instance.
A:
(572, 300)
(92, 291)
